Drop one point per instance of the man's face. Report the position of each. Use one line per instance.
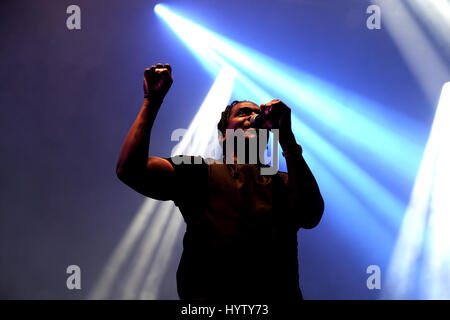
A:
(240, 117)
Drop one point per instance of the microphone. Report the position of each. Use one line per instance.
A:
(257, 121)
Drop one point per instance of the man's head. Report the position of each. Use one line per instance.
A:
(237, 116)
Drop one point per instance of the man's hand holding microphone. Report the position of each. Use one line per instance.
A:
(276, 115)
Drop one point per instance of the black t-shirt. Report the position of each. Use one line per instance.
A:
(241, 238)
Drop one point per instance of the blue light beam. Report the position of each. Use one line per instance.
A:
(419, 267)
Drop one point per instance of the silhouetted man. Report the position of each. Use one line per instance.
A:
(241, 226)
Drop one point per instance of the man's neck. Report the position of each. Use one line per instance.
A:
(250, 154)
(234, 160)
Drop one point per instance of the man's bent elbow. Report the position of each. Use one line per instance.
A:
(314, 216)
(123, 174)
(119, 172)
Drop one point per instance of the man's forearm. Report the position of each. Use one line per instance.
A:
(304, 192)
(134, 152)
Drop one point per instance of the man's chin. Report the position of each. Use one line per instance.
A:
(250, 133)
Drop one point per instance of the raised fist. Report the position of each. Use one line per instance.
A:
(157, 81)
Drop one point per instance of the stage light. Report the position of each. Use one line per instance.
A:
(388, 139)
(344, 114)
(372, 193)
(260, 76)
(147, 249)
(201, 136)
(193, 37)
(337, 112)
(148, 245)
(419, 267)
(158, 8)
(153, 284)
(104, 285)
(436, 17)
(414, 45)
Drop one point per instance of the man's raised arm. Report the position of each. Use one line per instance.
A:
(150, 176)
(305, 197)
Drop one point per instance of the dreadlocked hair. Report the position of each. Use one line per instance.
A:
(223, 123)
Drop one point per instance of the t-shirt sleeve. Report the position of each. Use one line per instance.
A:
(191, 177)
